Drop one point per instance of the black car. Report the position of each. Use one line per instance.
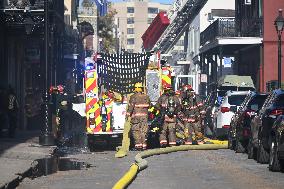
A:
(261, 126)
(276, 156)
(240, 125)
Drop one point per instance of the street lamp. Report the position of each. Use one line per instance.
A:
(279, 25)
(46, 139)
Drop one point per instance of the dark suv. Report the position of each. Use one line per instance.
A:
(261, 126)
(276, 156)
(240, 125)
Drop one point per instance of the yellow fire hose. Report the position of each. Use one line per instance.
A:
(142, 163)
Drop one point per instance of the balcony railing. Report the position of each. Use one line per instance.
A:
(219, 28)
(22, 4)
(252, 27)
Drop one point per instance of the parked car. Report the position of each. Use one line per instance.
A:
(276, 156)
(239, 131)
(222, 119)
(261, 126)
(212, 103)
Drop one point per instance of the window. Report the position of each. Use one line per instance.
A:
(130, 20)
(257, 102)
(279, 102)
(130, 30)
(152, 10)
(150, 20)
(130, 9)
(130, 41)
(236, 99)
(180, 43)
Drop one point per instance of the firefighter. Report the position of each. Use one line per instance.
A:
(168, 105)
(200, 116)
(180, 124)
(138, 111)
(191, 111)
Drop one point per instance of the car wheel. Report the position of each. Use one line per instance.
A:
(251, 150)
(262, 154)
(239, 147)
(274, 163)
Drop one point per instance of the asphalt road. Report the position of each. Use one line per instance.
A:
(220, 169)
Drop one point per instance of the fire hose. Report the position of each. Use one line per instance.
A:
(141, 163)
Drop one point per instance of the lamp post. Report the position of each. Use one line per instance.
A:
(46, 138)
(279, 25)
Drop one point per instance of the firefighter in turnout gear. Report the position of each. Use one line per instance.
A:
(138, 111)
(191, 114)
(169, 105)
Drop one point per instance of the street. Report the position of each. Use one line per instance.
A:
(181, 170)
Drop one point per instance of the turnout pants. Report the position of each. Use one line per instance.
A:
(168, 127)
(139, 131)
(194, 133)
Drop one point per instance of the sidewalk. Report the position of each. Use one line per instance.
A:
(18, 155)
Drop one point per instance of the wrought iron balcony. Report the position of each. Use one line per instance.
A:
(222, 27)
(22, 4)
(252, 27)
(56, 5)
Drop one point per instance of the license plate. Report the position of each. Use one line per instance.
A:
(114, 136)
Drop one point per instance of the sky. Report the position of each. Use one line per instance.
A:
(160, 1)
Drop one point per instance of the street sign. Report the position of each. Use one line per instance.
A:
(203, 78)
(227, 62)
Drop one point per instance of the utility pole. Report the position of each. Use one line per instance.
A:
(46, 138)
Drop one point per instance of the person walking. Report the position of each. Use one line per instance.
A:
(138, 111)
(12, 111)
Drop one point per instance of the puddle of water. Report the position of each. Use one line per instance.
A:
(53, 164)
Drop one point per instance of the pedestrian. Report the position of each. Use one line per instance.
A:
(138, 111)
(169, 105)
(12, 111)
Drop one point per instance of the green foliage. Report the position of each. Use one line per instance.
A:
(105, 31)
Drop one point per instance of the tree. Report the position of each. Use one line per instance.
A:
(105, 31)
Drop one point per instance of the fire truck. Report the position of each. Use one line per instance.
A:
(106, 108)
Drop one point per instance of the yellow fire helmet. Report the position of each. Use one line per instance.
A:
(138, 87)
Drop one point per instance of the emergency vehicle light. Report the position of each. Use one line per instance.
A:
(89, 66)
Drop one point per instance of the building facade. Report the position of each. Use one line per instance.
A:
(22, 52)
(259, 61)
(133, 18)
(210, 13)
(89, 13)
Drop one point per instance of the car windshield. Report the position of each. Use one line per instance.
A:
(256, 102)
(280, 101)
(236, 99)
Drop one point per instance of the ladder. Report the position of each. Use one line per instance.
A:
(181, 14)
